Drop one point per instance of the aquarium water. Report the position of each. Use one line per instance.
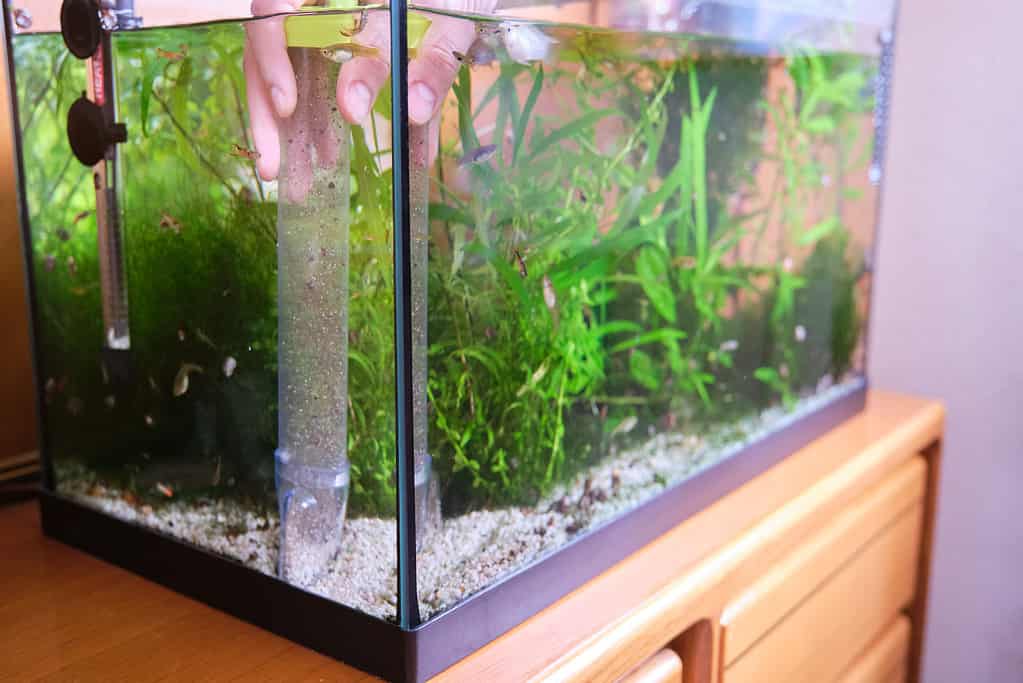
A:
(635, 251)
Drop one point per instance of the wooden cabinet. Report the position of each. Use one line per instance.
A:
(813, 612)
(814, 571)
(663, 667)
(886, 659)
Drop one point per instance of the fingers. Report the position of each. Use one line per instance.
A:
(261, 118)
(434, 69)
(269, 53)
(362, 78)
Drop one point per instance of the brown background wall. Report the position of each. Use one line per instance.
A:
(17, 413)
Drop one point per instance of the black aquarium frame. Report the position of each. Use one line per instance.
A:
(407, 649)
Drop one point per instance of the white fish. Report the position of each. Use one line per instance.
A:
(800, 333)
(22, 18)
(229, 366)
(729, 345)
(181, 379)
(550, 298)
(625, 426)
(526, 43)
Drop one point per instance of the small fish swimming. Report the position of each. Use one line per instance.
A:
(550, 297)
(22, 18)
(110, 401)
(229, 366)
(63, 234)
(181, 333)
(799, 333)
(168, 222)
(181, 379)
(526, 43)
(72, 266)
(50, 262)
(148, 419)
(172, 56)
(345, 52)
(75, 406)
(522, 264)
(244, 152)
(729, 345)
(80, 216)
(479, 54)
(625, 426)
(165, 491)
(479, 155)
(687, 262)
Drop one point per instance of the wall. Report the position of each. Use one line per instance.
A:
(17, 411)
(948, 319)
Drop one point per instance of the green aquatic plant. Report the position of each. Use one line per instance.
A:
(588, 279)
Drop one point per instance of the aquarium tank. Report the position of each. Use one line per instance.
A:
(473, 305)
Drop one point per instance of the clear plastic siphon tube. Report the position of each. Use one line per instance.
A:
(312, 466)
(427, 490)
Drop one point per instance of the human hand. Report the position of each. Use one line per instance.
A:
(272, 89)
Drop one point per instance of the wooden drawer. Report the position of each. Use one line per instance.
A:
(809, 616)
(886, 659)
(663, 667)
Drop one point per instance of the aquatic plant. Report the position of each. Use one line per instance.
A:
(593, 281)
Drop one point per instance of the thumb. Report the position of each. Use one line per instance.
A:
(434, 69)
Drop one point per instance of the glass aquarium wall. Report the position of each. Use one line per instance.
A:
(638, 245)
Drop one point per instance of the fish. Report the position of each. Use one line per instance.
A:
(345, 52)
(148, 419)
(168, 222)
(582, 197)
(164, 490)
(522, 264)
(63, 234)
(181, 379)
(686, 262)
(244, 152)
(110, 401)
(72, 266)
(625, 426)
(181, 333)
(201, 336)
(526, 43)
(799, 333)
(729, 345)
(50, 262)
(550, 297)
(80, 216)
(478, 156)
(229, 366)
(479, 54)
(75, 406)
(360, 23)
(22, 18)
(172, 56)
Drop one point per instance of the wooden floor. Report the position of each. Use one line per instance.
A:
(66, 616)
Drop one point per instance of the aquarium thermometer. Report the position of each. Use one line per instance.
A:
(94, 134)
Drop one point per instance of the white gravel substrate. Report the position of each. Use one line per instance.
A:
(466, 553)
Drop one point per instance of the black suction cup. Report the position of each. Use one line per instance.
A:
(80, 26)
(88, 132)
